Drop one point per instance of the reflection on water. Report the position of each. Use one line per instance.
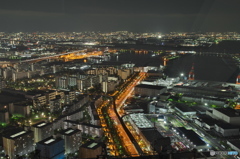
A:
(206, 67)
(211, 68)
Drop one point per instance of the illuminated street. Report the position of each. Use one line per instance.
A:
(110, 80)
(128, 145)
(119, 102)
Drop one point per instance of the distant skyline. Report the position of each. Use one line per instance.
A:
(132, 15)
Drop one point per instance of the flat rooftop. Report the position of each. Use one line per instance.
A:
(35, 92)
(205, 97)
(226, 125)
(229, 112)
(151, 134)
(50, 141)
(208, 120)
(184, 108)
(69, 131)
(200, 108)
(41, 124)
(18, 134)
(141, 121)
(91, 144)
(192, 136)
(6, 99)
(79, 123)
(15, 133)
(156, 139)
(150, 86)
(207, 89)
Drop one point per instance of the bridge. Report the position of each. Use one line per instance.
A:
(66, 56)
(52, 56)
(214, 54)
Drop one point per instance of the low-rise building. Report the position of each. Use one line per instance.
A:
(184, 109)
(204, 100)
(165, 96)
(149, 90)
(200, 109)
(192, 137)
(227, 115)
(226, 129)
(205, 91)
(205, 121)
(155, 141)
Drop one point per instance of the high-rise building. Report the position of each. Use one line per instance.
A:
(4, 116)
(55, 104)
(124, 73)
(69, 97)
(61, 82)
(72, 81)
(65, 82)
(72, 138)
(42, 130)
(7, 73)
(51, 148)
(84, 84)
(91, 149)
(18, 142)
(109, 86)
(2, 84)
(19, 108)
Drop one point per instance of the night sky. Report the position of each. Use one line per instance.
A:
(113, 15)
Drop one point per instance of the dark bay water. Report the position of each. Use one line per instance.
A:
(206, 67)
(227, 46)
(210, 68)
(139, 59)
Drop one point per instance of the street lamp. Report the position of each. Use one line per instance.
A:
(181, 74)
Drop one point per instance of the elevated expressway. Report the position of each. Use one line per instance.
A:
(66, 56)
(116, 113)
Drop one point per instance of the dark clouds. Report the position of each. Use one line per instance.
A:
(111, 15)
